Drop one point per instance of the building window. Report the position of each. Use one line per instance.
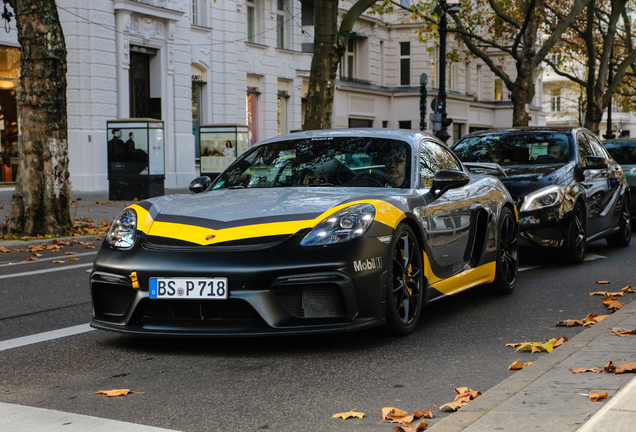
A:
(307, 13)
(555, 100)
(348, 68)
(195, 12)
(252, 21)
(360, 123)
(385, 124)
(478, 82)
(498, 89)
(196, 116)
(283, 98)
(406, 124)
(405, 63)
(282, 31)
(252, 114)
(435, 67)
(9, 83)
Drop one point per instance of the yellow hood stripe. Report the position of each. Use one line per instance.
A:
(386, 214)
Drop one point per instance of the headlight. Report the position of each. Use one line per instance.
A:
(122, 232)
(546, 197)
(341, 226)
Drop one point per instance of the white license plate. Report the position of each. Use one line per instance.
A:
(189, 288)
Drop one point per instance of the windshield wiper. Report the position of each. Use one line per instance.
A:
(320, 184)
(237, 187)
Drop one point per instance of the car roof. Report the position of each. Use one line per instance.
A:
(410, 136)
(562, 129)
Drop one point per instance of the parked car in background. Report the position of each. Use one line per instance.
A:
(305, 233)
(623, 151)
(568, 189)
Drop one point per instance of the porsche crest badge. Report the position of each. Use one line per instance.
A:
(210, 237)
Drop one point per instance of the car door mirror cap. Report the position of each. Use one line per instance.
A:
(199, 184)
(444, 180)
(595, 162)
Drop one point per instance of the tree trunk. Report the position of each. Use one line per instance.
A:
(594, 113)
(40, 203)
(324, 65)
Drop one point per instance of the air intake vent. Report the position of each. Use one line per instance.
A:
(312, 300)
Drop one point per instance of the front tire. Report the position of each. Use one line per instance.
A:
(577, 240)
(405, 291)
(624, 234)
(507, 254)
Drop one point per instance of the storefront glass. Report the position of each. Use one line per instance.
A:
(9, 82)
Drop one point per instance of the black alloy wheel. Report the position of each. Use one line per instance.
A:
(624, 234)
(577, 241)
(507, 254)
(405, 290)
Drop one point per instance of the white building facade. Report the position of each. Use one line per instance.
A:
(192, 63)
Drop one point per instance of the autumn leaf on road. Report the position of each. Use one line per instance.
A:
(465, 395)
(628, 289)
(350, 414)
(516, 365)
(625, 367)
(603, 282)
(426, 414)
(581, 370)
(596, 396)
(536, 347)
(612, 304)
(58, 262)
(395, 415)
(619, 331)
(4, 249)
(70, 253)
(73, 259)
(589, 320)
(411, 427)
(119, 392)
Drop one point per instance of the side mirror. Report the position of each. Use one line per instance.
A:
(448, 179)
(595, 162)
(200, 184)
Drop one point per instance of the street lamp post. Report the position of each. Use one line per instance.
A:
(443, 8)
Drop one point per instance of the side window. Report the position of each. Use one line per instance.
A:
(584, 148)
(434, 157)
(597, 147)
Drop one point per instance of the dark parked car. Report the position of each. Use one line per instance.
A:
(568, 189)
(623, 150)
(305, 233)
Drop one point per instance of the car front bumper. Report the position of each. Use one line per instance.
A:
(546, 227)
(278, 289)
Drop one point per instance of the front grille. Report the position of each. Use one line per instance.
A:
(111, 299)
(204, 310)
(312, 300)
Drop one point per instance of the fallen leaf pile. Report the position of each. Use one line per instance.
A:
(516, 365)
(464, 396)
(622, 292)
(350, 414)
(589, 320)
(118, 392)
(609, 368)
(87, 226)
(536, 347)
(619, 331)
(612, 304)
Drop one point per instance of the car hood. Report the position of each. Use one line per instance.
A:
(523, 179)
(227, 215)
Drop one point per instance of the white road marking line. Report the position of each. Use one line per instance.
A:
(46, 336)
(68, 267)
(47, 259)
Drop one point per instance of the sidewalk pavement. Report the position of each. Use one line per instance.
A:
(92, 205)
(546, 396)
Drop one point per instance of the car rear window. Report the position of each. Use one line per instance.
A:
(531, 147)
(321, 161)
(623, 152)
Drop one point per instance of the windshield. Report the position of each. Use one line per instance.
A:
(323, 161)
(515, 148)
(622, 152)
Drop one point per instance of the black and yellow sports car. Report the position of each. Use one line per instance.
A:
(310, 232)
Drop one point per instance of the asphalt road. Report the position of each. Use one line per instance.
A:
(281, 384)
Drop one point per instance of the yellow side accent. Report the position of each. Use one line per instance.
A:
(516, 213)
(428, 271)
(467, 279)
(386, 214)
